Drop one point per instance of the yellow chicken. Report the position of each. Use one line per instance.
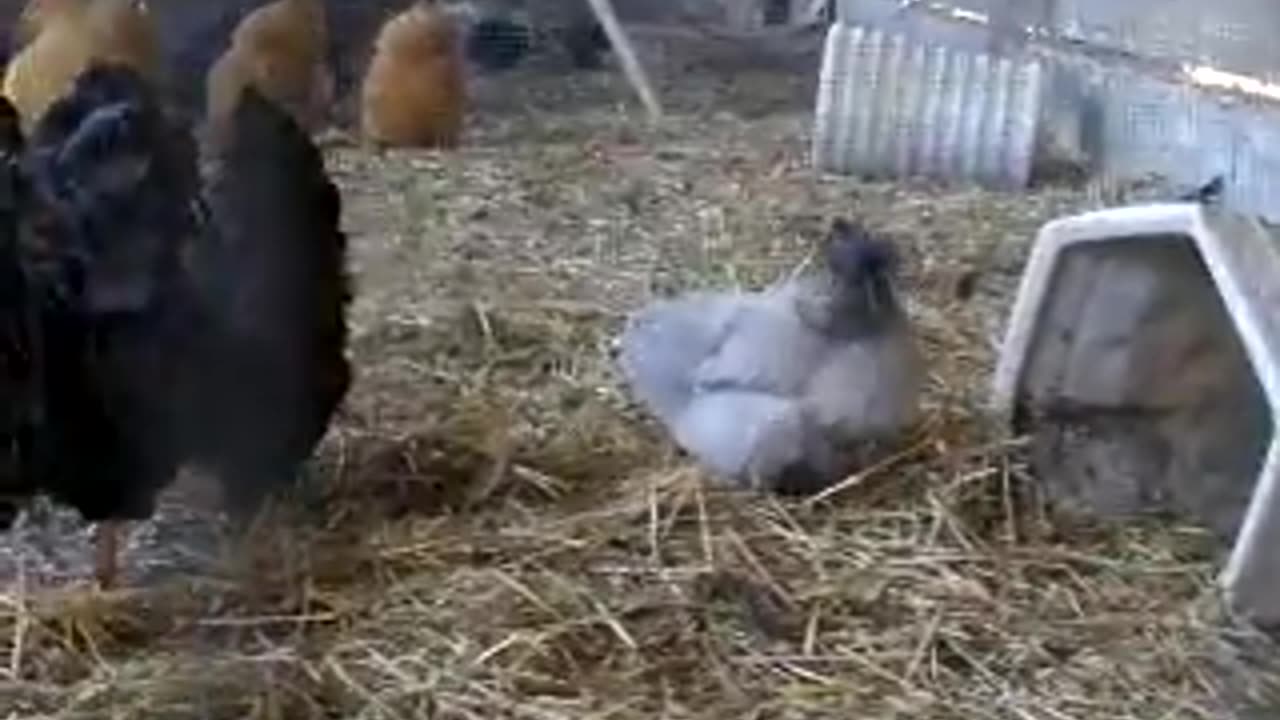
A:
(280, 49)
(68, 35)
(34, 16)
(414, 93)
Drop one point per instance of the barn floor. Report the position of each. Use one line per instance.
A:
(505, 537)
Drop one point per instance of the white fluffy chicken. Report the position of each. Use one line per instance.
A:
(777, 390)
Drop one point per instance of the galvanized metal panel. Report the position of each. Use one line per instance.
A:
(1129, 122)
(889, 107)
(1233, 35)
(1132, 125)
(921, 27)
(1187, 135)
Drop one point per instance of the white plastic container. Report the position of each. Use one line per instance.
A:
(1143, 355)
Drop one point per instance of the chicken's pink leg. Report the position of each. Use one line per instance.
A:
(106, 541)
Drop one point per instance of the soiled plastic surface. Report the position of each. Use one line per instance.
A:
(1143, 395)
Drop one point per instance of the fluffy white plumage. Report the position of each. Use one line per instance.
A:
(775, 389)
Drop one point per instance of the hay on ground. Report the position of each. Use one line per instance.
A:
(506, 536)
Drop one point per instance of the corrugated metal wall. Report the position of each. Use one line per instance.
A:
(1234, 35)
(887, 108)
(1132, 116)
(1184, 133)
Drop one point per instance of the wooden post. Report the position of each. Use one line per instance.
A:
(626, 53)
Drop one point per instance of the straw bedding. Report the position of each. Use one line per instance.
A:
(493, 531)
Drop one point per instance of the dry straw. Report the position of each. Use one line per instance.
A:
(505, 536)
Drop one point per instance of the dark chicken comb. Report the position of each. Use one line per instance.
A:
(852, 251)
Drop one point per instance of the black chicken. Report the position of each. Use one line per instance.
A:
(1208, 193)
(500, 43)
(497, 44)
(272, 278)
(586, 43)
(158, 323)
(20, 379)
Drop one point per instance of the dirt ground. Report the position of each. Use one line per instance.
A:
(492, 530)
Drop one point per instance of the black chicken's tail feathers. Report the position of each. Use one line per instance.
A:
(104, 85)
(277, 280)
(99, 85)
(20, 347)
(271, 170)
(112, 109)
(12, 143)
(11, 140)
(121, 177)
